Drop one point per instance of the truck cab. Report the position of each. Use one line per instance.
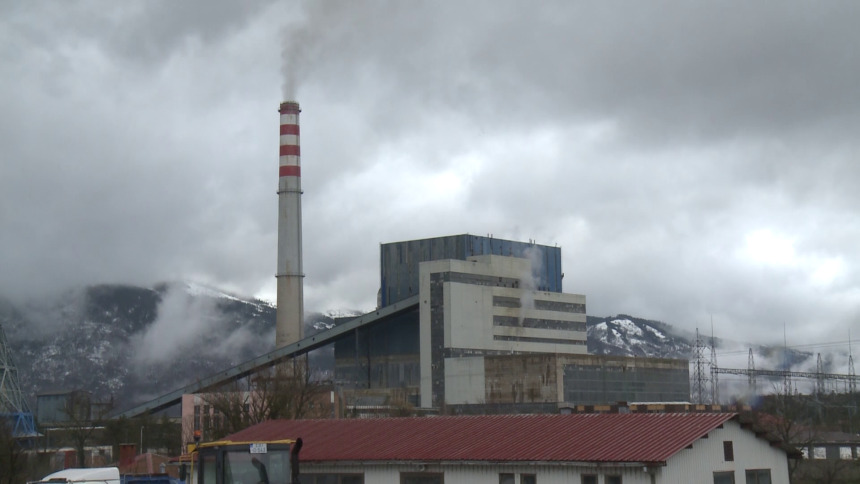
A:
(263, 462)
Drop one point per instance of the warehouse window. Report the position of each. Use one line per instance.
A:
(724, 477)
(506, 478)
(589, 479)
(421, 478)
(613, 479)
(728, 451)
(333, 478)
(528, 479)
(758, 476)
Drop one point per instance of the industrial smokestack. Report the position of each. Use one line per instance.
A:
(290, 313)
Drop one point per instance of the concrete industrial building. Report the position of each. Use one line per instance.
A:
(490, 331)
(463, 322)
(479, 308)
(482, 304)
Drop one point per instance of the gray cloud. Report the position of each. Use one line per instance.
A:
(693, 160)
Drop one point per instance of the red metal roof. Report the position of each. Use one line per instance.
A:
(572, 438)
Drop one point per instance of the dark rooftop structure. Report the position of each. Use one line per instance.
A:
(399, 261)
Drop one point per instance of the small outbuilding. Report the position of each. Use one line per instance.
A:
(626, 448)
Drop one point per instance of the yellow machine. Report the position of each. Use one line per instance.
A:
(261, 462)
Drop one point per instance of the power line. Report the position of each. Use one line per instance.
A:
(831, 344)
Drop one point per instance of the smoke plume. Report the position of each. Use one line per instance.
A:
(530, 281)
(182, 319)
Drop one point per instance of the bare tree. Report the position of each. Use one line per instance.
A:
(84, 418)
(786, 417)
(795, 419)
(13, 461)
(827, 471)
(401, 408)
(286, 391)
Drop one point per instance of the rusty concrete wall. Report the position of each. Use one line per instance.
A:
(534, 378)
(624, 361)
(521, 379)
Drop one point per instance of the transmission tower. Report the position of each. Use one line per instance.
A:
(715, 383)
(786, 363)
(852, 383)
(13, 407)
(819, 379)
(752, 374)
(700, 389)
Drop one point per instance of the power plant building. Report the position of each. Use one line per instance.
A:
(479, 307)
(490, 330)
(464, 323)
(487, 322)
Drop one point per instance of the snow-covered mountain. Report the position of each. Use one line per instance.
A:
(630, 336)
(136, 343)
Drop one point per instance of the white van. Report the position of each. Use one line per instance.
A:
(95, 475)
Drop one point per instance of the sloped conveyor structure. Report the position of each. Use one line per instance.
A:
(272, 358)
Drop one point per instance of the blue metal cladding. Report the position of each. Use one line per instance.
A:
(399, 261)
(21, 423)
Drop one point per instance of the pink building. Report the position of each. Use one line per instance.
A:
(198, 412)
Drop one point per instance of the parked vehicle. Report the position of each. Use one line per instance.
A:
(148, 479)
(269, 462)
(94, 475)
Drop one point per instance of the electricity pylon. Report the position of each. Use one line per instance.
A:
(13, 406)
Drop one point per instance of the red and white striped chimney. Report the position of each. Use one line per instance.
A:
(290, 312)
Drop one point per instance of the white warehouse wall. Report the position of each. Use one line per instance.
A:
(697, 465)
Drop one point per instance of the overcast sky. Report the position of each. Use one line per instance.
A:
(694, 160)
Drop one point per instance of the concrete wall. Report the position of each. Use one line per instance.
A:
(544, 378)
(465, 380)
(594, 379)
(522, 379)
